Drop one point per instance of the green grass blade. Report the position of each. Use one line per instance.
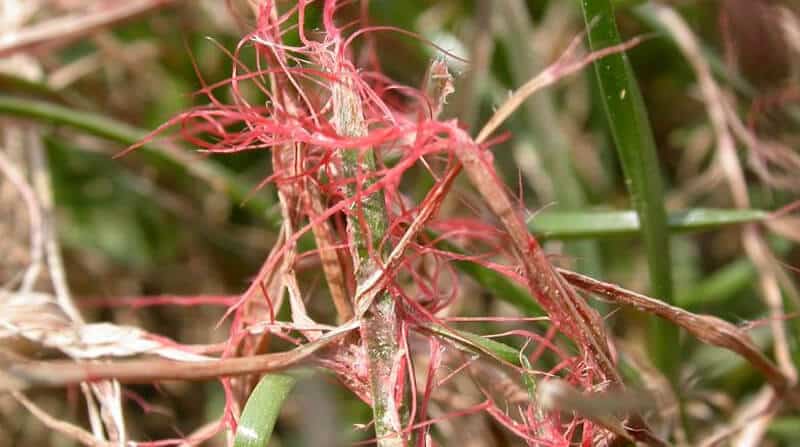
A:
(479, 343)
(503, 288)
(527, 378)
(262, 410)
(725, 283)
(567, 225)
(23, 86)
(720, 286)
(126, 135)
(630, 128)
(785, 429)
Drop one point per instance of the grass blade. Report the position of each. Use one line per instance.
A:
(567, 225)
(100, 126)
(262, 410)
(492, 348)
(785, 429)
(503, 288)
(724, 284)
(633, 136)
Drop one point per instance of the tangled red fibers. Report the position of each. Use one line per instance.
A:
(297, 84)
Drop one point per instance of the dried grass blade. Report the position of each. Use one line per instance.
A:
(706, 328)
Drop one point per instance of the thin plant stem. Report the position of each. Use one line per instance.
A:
(23, 374)
(706, 328)
(367, 228)
(69, 430)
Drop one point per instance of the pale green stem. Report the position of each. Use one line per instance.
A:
(367, 227)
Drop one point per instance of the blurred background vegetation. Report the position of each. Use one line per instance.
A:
(167, 221)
